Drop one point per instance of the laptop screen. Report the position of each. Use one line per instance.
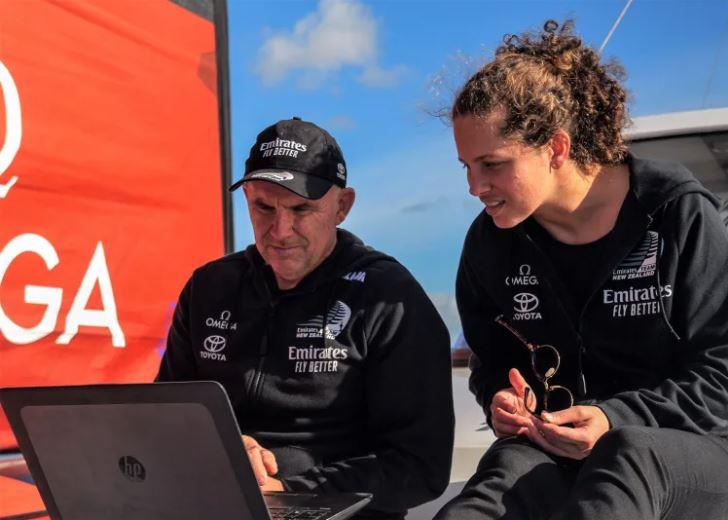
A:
(147, 451)
(141, 460)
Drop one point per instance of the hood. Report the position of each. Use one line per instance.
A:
(655, 183)
(350, 254)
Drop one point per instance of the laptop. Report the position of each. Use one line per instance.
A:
(148, 451)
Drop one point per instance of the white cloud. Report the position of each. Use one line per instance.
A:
(375, 76)
(338, 34)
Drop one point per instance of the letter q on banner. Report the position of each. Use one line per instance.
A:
(13, 126)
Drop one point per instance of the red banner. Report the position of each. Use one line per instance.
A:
(110, 184)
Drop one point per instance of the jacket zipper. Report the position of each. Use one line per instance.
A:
(256, 386)
(581, 379)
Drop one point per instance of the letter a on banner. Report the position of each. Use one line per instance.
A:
(97, 272)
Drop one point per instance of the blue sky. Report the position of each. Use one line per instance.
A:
(369, 72)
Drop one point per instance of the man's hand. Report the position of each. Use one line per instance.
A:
(272, 485)
(263, 462)
(508, 412)
(589, 424)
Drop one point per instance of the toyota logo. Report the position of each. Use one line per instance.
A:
(525, 302)
(214, 343)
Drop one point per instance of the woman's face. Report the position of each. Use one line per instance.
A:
(512, 180)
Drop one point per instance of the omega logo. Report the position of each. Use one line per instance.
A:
(525, 302)
(524, 277)
(97, 277)
(13, 126)
(223, 323)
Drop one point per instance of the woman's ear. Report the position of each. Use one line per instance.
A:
(560, 144)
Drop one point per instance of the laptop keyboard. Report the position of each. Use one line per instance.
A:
(298, 513)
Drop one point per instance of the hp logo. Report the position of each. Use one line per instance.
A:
(525, 302)
(214, 343)
(132, 469)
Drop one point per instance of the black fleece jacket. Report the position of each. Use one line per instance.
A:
(346, 377)
(652, 339)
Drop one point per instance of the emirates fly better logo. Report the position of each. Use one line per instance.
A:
(13, 127)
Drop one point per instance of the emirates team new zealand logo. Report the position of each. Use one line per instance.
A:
(336, 319)
(642, 261)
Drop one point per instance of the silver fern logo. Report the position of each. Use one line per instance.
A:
(641, 262)
(337, 318)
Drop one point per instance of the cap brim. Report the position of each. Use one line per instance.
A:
(302, 184)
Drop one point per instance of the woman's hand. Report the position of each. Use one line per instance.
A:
(508, 412)
(586, 425)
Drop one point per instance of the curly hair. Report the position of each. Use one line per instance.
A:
(550, 81)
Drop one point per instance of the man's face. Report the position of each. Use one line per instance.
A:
(293, 234)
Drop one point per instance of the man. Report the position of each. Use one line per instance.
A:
(335, 361)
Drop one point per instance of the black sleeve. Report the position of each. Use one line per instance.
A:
(488, 372)
(695, 397)
(178, 363)
(410, 418)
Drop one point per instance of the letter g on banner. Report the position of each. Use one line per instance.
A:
(13, 126)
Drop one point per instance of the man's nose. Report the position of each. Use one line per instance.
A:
(282, 227)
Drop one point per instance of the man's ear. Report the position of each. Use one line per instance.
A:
(346, 201)
(560, 144)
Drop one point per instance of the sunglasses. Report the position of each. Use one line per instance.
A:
(545, 362)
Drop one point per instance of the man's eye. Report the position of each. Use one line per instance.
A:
(490, 166)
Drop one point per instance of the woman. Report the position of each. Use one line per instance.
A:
(618, 265)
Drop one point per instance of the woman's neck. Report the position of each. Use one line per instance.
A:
(586, 202)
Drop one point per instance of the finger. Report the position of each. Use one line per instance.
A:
(575, 447)
(572, 415)
(515, 419)
(506, 430)
(538, 439)
(249, 442)
(269, 461)
(517, 381)
(506, 399)
(561, 435)
(509, 430)
(256, 461)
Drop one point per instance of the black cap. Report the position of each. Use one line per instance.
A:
(297, 155)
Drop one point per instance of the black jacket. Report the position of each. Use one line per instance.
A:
(652, 339)
(367, 406)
